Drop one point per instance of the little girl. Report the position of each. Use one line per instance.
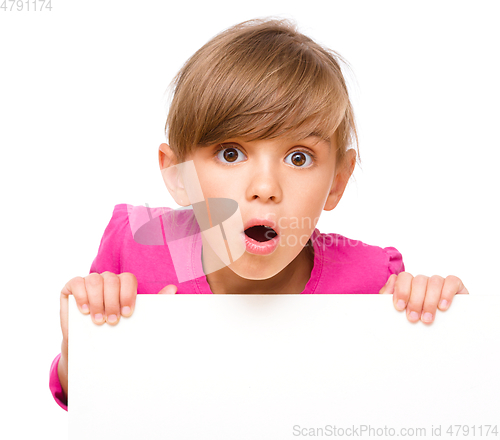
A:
(259, 131)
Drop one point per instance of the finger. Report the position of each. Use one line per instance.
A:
(417, 297)
(64, 306)
(389, 285)
(452, 285)
(402, 290)
(432, 295)
(170, 289)
(128, 293)
(94, 284)
(75, 287)
(111, 294)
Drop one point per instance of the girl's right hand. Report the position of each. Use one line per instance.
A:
(106, 297)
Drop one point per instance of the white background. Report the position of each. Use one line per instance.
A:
(82, 113)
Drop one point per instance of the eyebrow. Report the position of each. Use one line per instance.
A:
(318, 135)
(313, 134)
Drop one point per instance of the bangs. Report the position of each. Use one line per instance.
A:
(260, 82)
(289, 96)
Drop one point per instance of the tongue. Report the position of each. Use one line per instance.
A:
(260, 233)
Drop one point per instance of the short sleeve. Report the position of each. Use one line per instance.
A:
(395, 263)
(109, 254)
(55, 385)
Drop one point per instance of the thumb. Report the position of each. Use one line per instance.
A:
(169, 290)
(388, 288)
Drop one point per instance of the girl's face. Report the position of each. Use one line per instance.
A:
(283, 180)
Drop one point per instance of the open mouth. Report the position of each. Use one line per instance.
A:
(261, 233)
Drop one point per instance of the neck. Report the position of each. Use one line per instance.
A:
(292, 279)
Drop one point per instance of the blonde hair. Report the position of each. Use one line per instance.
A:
(260, 79)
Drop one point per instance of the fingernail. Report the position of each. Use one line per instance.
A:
(413, 315)
(125, 310)
(98, 317)
(111, 318)
(443, 303)
(400, 305)
(427, 317)
(85, 308)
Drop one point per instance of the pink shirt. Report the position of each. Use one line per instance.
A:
(143, 241)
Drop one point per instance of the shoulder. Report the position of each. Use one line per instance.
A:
(109, 254)
(339, 246)
(159, 225)
(118, 223)
(354, 266)
(134, 241)
(146, 223)
(125, 221)
(132, 225)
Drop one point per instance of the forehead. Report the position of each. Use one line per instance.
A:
(315, 137)
(279, 142)
(312, 139)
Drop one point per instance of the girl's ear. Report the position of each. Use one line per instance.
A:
(171, 175)
(340, 181)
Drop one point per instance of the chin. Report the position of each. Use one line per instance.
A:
(255, 276)
(260, 271)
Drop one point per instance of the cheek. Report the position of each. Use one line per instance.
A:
(309, 193)
(308, 203)
(213, 185)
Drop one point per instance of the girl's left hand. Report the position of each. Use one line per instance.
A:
(171, 289)
(422, 295)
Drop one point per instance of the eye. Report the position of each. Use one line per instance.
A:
(299, 159)
(227, 154)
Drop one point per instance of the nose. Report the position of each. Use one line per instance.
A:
(265, 184)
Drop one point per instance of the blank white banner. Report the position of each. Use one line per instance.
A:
(275, 367)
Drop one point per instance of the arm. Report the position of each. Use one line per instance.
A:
(62, 368)
(55, 384)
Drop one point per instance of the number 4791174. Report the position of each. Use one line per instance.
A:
(26, 5)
